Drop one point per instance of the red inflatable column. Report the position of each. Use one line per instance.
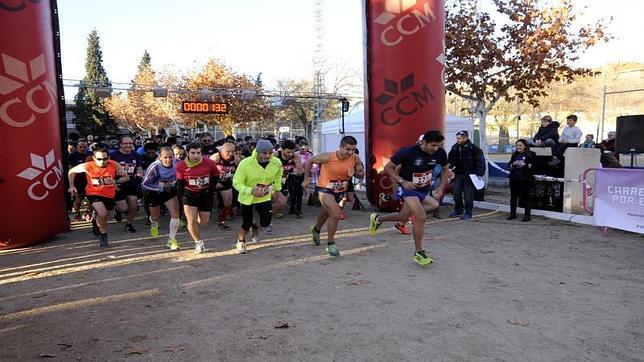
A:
(32, 194)
(405, 91)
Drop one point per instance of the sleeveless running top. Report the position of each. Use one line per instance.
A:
(334, 175)
(96, 177)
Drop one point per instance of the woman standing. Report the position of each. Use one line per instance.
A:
(521, 169)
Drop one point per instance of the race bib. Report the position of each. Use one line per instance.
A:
(129, 168)
(421, 179)
(167, 184)
(101, 181)
(199, 182)
(264, 188)
(337, 185)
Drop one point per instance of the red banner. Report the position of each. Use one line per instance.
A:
(405, 90)
(32, 183)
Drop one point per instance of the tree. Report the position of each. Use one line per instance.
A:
(226, 85)
(90, 113)
(138, 109)
(531, 46)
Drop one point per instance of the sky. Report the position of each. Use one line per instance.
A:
(274, 37)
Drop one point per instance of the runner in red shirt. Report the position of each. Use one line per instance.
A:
(101, 187)
(195, 180)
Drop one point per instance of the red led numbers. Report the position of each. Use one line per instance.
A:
(204, 107)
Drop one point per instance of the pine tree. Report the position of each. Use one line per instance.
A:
(90, 113)
(146, 61)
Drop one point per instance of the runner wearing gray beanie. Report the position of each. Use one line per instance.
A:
(264, 146)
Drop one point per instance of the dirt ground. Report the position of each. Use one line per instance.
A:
(499, 290)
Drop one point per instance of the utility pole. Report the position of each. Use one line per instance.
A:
(318, 72)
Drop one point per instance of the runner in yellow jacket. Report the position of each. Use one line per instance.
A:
(257, 179)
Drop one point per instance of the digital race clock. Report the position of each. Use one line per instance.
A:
(204, 107)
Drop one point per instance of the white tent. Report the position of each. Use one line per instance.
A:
(354, 126)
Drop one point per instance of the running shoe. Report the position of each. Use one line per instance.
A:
(332, 249)
(200, 247)
(401, 228)
(95, 229)
(279, 215)
(129, 228)
(118, 217)
(224, 226)
(241, 247)
(173, 244)
(373, 224)
(298, 214)
(269, 228)
(421, 258)
(254, 232)
(315, 235)
(154, 230)
(102, 241)
(455, 214)
(466, 216)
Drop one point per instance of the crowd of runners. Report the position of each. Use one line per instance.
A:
(256, 180)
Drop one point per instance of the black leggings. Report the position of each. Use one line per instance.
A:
(295, 192)
(264, 211)
(520, 189)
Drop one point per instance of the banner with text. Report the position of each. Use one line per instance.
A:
(619, 199)
(405, 90)
(32, 177)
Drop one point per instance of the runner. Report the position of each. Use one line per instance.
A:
(336, 169)
(258, 178)
(195, 180)
(127, 194)
(73, 160)
(160, 187)
(417, 163)
(291, 176)
(226, 162)
(101, 188)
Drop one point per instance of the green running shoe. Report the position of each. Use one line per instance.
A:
(316, 236)
(173, 244)
(373, 224)
(421, 258)
(332, 249)
(154, 230)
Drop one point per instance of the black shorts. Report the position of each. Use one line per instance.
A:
(338, 195)
(107, 202)
(201, 200)
(154, 198)
(226, 185)
(125, 190)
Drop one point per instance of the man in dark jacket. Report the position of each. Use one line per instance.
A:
(465, 158)
(548, 133)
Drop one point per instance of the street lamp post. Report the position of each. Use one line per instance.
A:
(345, 108)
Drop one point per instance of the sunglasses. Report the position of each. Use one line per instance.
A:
(102, 159)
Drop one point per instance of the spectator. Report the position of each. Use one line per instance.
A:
(570, 137)
(465, 158)
(547, 135)
(589, 142)
(609, 143)
(608, 157)
(521, 170)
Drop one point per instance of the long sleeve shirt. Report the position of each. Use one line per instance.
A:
(570, 135)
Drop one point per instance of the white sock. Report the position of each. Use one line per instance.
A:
(153, 223)
(174, 226)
